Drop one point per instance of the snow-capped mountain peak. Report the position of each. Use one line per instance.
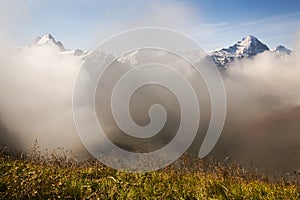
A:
(248, 47)
(45, 39)
(282, 50)
(48, 40)
(248, 40)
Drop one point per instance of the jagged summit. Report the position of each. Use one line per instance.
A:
(282, 50)
(48, 40)
(44, 39)
(249, 47)
(249, 39)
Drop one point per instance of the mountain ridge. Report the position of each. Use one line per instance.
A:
(248, 47)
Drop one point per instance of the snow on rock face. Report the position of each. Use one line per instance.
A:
(48, 40)
(129, 58)
(248, 47)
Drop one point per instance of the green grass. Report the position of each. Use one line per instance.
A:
(189, 178)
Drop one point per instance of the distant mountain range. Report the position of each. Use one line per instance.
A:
(248, 47)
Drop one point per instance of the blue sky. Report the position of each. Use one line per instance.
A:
(213, 23)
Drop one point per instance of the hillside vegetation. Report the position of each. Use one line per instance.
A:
(56, 177)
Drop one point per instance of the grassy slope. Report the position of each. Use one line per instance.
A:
(56, 179)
